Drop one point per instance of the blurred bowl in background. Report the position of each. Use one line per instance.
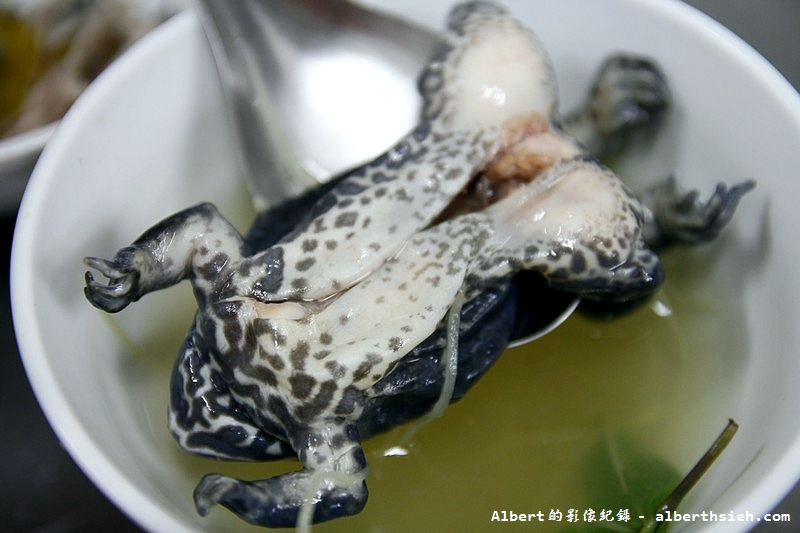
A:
(18, 155)
(52, 49)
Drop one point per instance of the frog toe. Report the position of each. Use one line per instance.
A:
(112, 296)
(681, 217)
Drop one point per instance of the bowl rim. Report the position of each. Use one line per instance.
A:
(141, 507)
(73, 435)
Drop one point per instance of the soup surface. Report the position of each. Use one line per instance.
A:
(598, 418)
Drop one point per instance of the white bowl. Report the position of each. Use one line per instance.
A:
(150, 137)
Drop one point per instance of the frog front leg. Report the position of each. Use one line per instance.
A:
(332, 480)
(681, 217)
(196, 243)
(580, 228)
(629, 93)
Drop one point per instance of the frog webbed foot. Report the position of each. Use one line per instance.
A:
(331, 484)
(278, 501)
(124, 273)
(629, 93)
(680, 217)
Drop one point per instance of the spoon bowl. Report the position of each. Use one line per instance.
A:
(301, 78)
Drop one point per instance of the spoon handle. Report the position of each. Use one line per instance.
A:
(242, 36)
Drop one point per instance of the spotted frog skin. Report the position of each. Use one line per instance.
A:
(327, 323)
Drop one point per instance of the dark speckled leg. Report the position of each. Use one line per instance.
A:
(336, 483)
(206, 420)
(630, 93)
(680, 217)
(195, 243)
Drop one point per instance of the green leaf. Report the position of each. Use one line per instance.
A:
(674, 498)
(621, 475)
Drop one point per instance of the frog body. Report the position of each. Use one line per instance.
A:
(330, 320)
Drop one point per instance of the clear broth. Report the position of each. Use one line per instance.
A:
(661, 379)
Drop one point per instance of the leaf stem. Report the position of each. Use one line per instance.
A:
(675, 497)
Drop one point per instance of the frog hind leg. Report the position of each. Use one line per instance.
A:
(332, 480)
(206, 420)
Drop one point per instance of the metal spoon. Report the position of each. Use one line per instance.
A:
(301, 79)
(314, 88)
